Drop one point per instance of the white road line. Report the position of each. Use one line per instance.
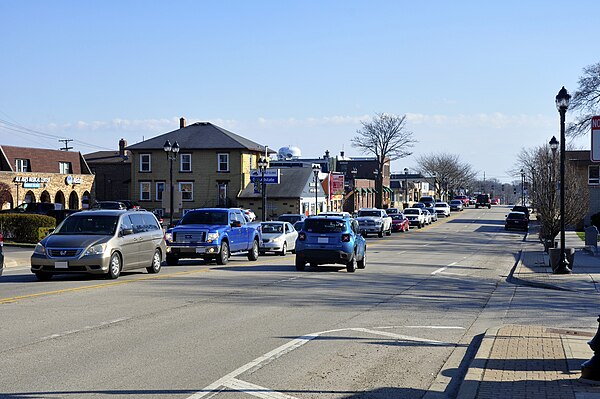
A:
(453, 263)
(86, 328)
(232, 382)
(439, 270)
(452, 274)
(435, 327)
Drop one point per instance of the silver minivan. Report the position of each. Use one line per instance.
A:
(101, 242)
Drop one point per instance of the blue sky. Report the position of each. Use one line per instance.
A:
(474, 78)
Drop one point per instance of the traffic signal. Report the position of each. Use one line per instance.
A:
(515, 191)
(503, 187)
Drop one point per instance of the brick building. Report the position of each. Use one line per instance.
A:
(41, 175)
(113, 173)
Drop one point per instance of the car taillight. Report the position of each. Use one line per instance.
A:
(345, 237)
(1, 239)
(302, 236)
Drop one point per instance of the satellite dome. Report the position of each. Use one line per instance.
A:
(289, 152)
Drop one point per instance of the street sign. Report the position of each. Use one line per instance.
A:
(271, 176)
(595, 153)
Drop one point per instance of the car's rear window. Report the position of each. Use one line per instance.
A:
(272, 228)
(369, 213)
(88, 225)
(324, 226)
(514, 215)
(411, 211)
(398, 216)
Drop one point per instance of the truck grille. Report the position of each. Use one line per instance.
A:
(189, 237)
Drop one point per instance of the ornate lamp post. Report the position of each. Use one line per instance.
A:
(522, 187)
(405, 187)
(263, 164)
(316, 168)
(562, 104)
(171, 151)
(434, 184)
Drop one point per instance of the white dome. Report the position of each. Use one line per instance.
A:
(289, 152)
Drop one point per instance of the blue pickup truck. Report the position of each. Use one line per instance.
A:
(212, 234)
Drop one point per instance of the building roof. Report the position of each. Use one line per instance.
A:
(292, 183)
(199, 136)
(106, 157)
(42, 159)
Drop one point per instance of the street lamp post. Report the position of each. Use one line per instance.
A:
(434, 185)
(405, 187)
(522, 187)
(171, 151)
(263, 164)
(562, 104)
(553, 146)
(316, 168)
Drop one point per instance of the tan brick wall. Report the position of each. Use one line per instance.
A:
(52, 187)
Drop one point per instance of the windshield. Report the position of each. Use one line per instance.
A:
(441, 205)
(269, 228)
(398, 217)
(369, 213)
(411, 211)
(324, 226)
(205, 217)
(88, 225)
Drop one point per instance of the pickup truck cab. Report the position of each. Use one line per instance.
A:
(373, 220)
(415, 217)
(212, 234)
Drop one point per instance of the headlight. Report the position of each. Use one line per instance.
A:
(169, 237)
(39, 249)
(379, 222)
(212, 237)
(97, 249)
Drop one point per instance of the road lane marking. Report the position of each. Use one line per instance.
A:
(255, 390)
(86, 328)
(439, 270)
(230, 380)
(96, 286)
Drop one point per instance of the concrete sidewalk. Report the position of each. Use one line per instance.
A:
(535, 361)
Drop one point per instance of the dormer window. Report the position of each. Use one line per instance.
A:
(64, 168)
(22, 165)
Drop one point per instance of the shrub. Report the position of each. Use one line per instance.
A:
(24, 227)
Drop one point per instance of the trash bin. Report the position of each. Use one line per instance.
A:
(554, 255)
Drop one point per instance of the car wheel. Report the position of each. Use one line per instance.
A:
(284, 249)
(42, 276)
(365, 235)
(114, 267)
(223, 256)
(380, 234)
(389, 232)
(351, 265)
(361, 264)
(156, 261)
(253, 253)
(300, 264)
(489, 207)
(476, 206)
(172, 260)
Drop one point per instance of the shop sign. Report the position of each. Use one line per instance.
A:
(73, 180)
(32, 185)
(31, 179)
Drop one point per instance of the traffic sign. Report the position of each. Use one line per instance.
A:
(271, 176)
(268, 179)
(595, 153)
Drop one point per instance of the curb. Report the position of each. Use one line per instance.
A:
(535, 284)
(470, 385)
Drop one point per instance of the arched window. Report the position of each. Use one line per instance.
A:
(45, 197)
(29, 197)
(59, 198)
(73, 200)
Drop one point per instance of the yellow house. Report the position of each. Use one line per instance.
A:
(211, 168)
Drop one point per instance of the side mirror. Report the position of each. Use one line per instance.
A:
(236, 223)
(126, 232)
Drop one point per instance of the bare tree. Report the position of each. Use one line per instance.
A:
(386, 137)
(585, 101)
(5, 194)
(451, 174)
(541, 169)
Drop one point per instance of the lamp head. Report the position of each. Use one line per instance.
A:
(553, 144)
(175, 148)
(562, 99)
(167, 146)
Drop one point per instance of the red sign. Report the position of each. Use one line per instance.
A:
(595, 153)
(337, 184)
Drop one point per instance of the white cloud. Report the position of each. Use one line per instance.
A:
(496, 120)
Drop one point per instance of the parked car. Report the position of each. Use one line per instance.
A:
(521, 208)
(250, 214)
(101, 242)
(483, 200)
(278, 237)
(456, 205)
(516, 220)
(131, 204)
(373, 220)
(427, 199)
(109, 205)
(494, 201)
(298, 225)
(400, 222)
(472, 200)
(212, 234)
(393, 211)
(345, 215)
(331, 240)
(415, 216)
(442, 208)
(420, 205)
(55, 210)
(434, 216)
(465, 200)
(427, 216)
(291, 217)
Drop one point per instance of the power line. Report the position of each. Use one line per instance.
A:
(66, 147)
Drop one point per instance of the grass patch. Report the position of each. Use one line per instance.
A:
(581, 235)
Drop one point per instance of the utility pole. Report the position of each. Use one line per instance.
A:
(66, 147)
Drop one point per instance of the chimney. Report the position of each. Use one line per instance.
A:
(122, 145)
(342, 154)
(181, 123)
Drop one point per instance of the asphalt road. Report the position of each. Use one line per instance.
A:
(402, 327)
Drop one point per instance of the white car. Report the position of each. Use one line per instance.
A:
(373, 220)
(427, 216)
(278, 237)
(415, 216)
(442, 209)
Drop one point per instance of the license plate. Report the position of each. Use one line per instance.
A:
(61, 265)
(322, 240)
(199, 250)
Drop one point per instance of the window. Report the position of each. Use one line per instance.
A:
(64, 168)
(144, 191)
(187, 191)
(145, 163)
(222, 162)
(593, 174)
(160, 188)
(22, 165)
(185, 163)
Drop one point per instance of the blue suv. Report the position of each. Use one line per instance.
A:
(334, 240)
